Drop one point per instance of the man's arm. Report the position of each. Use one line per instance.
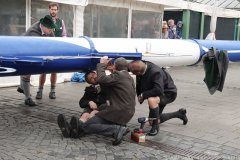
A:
(64, 32)
(101, 99)
(138, 85)
(102, 78)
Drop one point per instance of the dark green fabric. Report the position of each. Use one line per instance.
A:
(223, 66)
(215, 66)
(58, 28)
(211, 73)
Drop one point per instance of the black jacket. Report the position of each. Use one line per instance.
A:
(155, 82)
(92, 93)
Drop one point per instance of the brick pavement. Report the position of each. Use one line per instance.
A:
(213, 129)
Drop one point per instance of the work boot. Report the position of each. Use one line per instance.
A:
(30, 102)
(154, 113)
(119, 135)
(20, 90)
(182, 115)
(154, 130)
(74, 122)
(52, 95)
(39, 95)
(64, 125)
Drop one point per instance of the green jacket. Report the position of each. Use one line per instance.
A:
(59, 28)
(215, 65)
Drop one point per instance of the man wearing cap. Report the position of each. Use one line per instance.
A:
(43, 28)
(60, 31)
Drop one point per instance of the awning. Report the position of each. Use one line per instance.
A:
(72, 2)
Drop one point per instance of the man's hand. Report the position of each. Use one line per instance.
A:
(105, 60)
(140, 99)
(110, 68)
(92, 105)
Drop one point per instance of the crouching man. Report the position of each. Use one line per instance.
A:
(155, 85)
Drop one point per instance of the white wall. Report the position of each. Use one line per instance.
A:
(15, 80)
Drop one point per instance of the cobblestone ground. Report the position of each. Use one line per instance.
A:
(213, 131)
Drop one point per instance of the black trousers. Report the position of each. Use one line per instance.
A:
(165, 99)
(98, 125)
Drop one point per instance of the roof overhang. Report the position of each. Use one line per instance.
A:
(173, 4)
(71, 2)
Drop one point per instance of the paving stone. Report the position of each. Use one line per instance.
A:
(33, 132)
(185, 146)
(92, 157)
(217, 149)
(200, 145)
(212, 153)
(111, 157)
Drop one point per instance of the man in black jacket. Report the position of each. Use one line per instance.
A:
(94, 98)
(157, 86)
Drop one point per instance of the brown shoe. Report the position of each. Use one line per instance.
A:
(119, 135)
(74, 122)
(63, 125)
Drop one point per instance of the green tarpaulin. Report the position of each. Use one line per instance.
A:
(215, 65)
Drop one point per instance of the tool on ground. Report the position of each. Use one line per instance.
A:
(138, 134)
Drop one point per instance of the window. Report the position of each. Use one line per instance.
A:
(12, 16)
(40, 8)
(107, 22)
(195, 23)
(146, 24)
(225, 28)
(175, 15)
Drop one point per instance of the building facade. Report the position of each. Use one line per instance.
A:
(120, 18)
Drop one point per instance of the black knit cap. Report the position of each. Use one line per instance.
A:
(47, 21)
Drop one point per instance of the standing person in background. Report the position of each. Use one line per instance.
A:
(60, 31)
(164, 31)
(43, 28)
(179, 30)
(171, 29)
